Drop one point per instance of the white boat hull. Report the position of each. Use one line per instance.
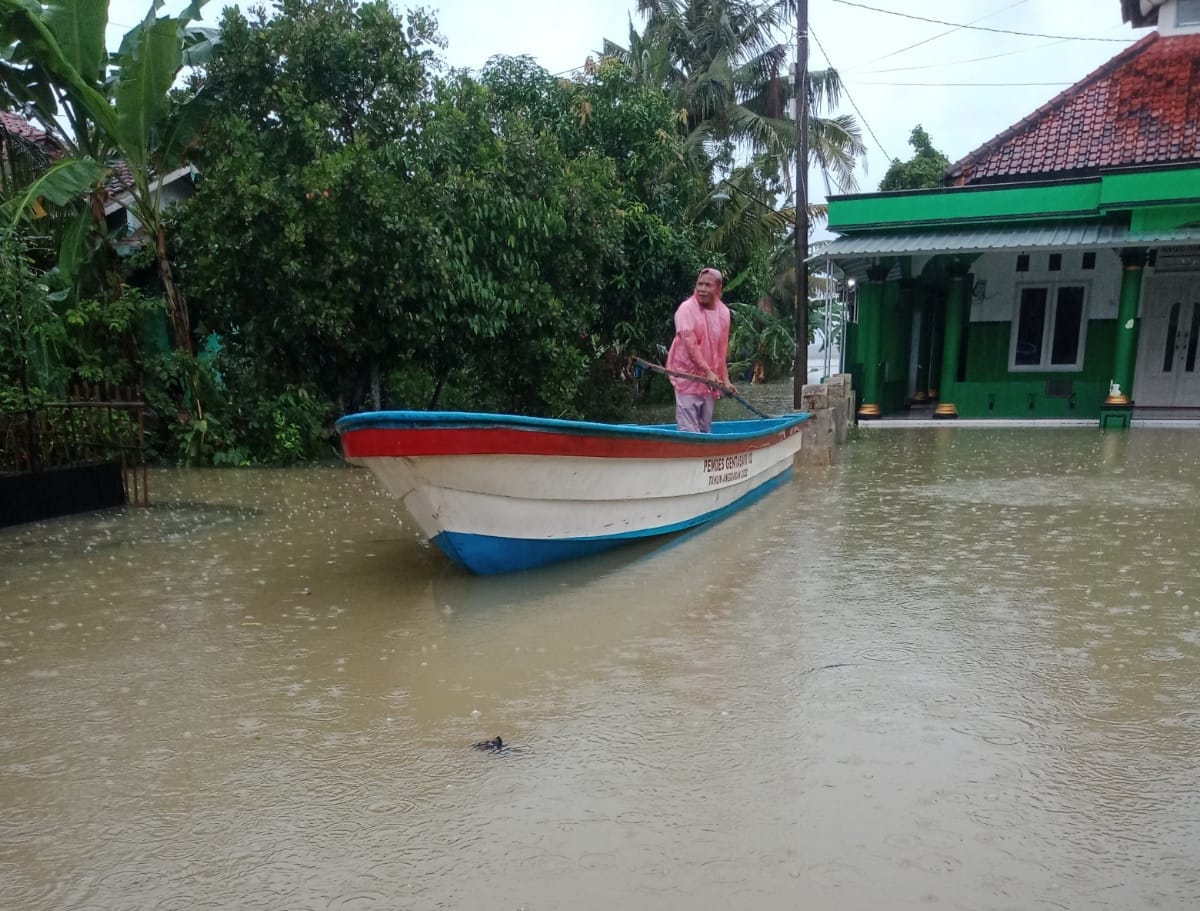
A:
(498, 511)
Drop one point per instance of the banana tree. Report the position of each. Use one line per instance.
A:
(110, 111)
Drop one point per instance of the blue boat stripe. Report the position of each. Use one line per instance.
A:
(487, 555)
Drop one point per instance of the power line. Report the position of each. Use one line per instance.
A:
(995, 85)
(977, 28)
(574, 69)
(950, 31)
(931, 66)
(849, 97)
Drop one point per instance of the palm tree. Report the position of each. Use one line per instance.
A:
(723, 66)
(721, 63)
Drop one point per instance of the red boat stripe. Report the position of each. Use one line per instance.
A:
(369, 443)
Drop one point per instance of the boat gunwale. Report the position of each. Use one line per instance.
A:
(473, 421)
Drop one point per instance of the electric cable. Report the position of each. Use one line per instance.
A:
(977, 28)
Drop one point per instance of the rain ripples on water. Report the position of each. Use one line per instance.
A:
(958, 667)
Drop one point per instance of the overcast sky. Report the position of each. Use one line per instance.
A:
(961, 100)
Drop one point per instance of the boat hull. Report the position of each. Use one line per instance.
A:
(500, 493)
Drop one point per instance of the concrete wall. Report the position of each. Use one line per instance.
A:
(832, 407)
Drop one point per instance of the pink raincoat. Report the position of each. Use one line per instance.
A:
(711, 330)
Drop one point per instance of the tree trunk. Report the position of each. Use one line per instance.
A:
(177, 309)
(437, 390)
(114, 287)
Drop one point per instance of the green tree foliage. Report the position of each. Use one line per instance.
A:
(107, 111)
(760, 339)
(119, 121)
(433, 239)
(30, 336)
(307, 214)
(48, 340)
(724, 68)
(926, 169)
(632, 249)
(372, 229)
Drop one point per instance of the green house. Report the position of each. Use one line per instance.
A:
(1056, 274)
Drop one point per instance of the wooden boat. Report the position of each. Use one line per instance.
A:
(499, 493)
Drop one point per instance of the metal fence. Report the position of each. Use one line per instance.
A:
(99, 423)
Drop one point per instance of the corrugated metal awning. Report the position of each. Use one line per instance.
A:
(983, 239)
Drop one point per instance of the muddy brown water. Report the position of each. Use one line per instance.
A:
(957, 669)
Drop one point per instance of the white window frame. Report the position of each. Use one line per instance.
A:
(1052, 288)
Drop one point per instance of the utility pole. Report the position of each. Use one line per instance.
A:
(801, 301)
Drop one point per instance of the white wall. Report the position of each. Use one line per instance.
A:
(997, 274)
(1168, 16)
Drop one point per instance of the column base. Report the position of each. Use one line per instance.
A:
(1117, 400)
(1116, 415)
(933, 393)
(945, 410)
(920, 397)
(868, 412)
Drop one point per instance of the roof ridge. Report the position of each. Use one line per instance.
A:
(1058, 101)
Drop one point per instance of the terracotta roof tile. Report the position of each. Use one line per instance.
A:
(1142, 107)
(19, 126)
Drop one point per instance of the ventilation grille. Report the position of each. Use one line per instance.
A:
(1177, 259)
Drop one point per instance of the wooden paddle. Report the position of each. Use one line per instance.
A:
(712, 384)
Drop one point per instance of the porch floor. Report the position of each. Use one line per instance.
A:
(922, 416)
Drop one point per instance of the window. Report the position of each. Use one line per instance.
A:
(1048, 328)
(1022, 262)
(1055, 262)
(1089, 260)
(1187, 12)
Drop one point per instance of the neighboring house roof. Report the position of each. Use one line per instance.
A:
(120, 182)
(120, 179)
(1140, 108)
(17, 125)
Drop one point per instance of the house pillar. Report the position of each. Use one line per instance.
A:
(870, 322)
(956, 299)
(1121, 385)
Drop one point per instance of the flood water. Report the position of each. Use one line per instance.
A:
(957, 669)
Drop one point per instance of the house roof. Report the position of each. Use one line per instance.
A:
(120, 183)
(990, 238)
(16, 125)
(1142, 107)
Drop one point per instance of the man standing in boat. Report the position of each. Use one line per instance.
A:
(701, 349)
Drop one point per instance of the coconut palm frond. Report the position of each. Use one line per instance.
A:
(824, 90)
(776, 136)
(614, 50)
(752, 75)
(837, 144)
